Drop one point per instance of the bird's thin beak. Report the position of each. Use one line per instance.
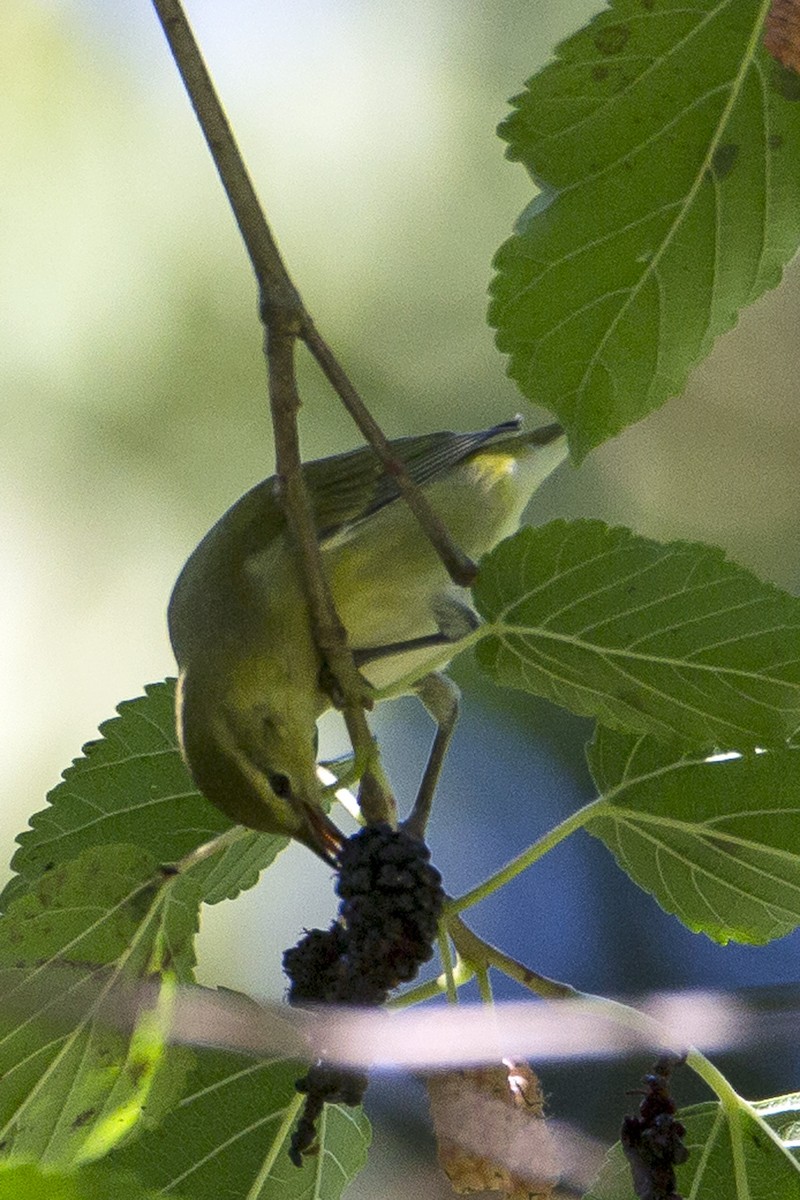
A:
(322, 836)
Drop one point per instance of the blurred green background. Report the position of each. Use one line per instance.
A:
(133, 387)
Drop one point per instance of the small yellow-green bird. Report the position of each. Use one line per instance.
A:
(249, 691)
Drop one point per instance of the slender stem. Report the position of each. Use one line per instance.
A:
(441, 698)
(275, 1144)
(275, 285)
(462, 973)
(714, 1078)
(526, 859)
(462, 570)
(284, 317)
(349, 692)
(484, 985)
(732, 1105)
(273, 279)
(446, 956)
(481, 955)
(200, 853)
(419, 994)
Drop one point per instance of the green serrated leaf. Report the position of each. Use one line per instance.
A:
(782, 1114)
(237, 867)
(132, 786)
(84, 1093)
(716, 842)
(71, 1085)
(733, 1155)
(88, 1183)
(667, 145)
(88, 910)
(228, 1138)
(667, 639)
(109, 903)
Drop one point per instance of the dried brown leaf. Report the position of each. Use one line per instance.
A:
(491, 1132)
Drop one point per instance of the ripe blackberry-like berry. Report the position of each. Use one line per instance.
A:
(653, 1140)
(322, 1085)
(314, 965)
(391, 901)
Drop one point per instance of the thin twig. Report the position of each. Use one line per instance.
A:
(286, 319)
(351, 696)
(460, 567)
(273, 278)
(481, 954)
(284, 316)
(275, 285)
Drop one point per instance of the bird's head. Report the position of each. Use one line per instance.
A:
(252, 752)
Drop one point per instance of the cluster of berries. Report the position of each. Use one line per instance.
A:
(391, 901)
(653, 1140)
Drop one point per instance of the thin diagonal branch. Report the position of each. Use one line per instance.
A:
(284, 316)
(275, 285)
(480, 954)
(285, 320)
(274, 281)
(461, 569)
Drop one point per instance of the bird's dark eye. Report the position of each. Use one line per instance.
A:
(280, 784)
